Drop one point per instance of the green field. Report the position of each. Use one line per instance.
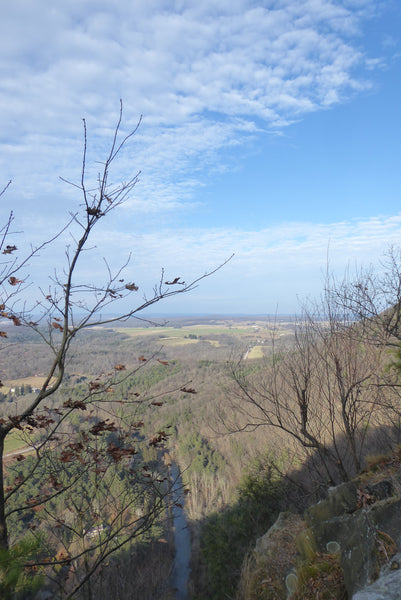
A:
(13, 442)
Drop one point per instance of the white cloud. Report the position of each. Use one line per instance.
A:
(202, 73)
(275, 264)
(207, 76)
(271, 266)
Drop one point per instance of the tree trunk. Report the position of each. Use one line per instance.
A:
(3, 523)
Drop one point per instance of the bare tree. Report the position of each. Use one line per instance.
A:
(325, 393)
(372, 298)
(85, 489)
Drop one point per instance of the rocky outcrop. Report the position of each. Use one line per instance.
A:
(387, 586)
(360, 523)
(366, 530)
(275, 555)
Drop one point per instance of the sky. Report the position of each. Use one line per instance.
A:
(270, 130)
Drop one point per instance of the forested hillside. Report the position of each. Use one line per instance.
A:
(198, 392)
(172, 381)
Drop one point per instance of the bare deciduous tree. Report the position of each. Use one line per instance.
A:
(85, 488)
(372, 297)
(329, 389)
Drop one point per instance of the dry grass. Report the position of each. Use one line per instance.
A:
(263, 573)
(264, 578)
(321, 578)
(34, 381)
(177, 341)
(255, 352)
(382, 466)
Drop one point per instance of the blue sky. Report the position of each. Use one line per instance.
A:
(270, 130)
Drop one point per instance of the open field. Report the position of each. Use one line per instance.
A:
(200, 330)
(179, 341)
(185, 339)
(13, 442)
(215, 340)
(203, 331)
(255, 352)
(35, 381)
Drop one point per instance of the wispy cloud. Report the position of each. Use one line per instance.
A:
(303, 243)
(270, 267)
(208, 78)
(204, 75)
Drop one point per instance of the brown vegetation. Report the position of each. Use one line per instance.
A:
(327, 393)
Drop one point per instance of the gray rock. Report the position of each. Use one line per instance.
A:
(358, 546)
(386, 587)
(366, 535)
(355, 531)
(386, 515)
(382, 489)
(263, 543)
(341, 500)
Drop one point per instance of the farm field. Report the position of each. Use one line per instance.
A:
(35, 381)
(206, 331)
(197, 350)
(182, 338)
(13, 442)
(255, 352)
(167, 331)
(213, 340)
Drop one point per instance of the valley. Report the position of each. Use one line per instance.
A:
(179, 371)
(193, 392)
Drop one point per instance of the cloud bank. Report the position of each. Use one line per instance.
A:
(271, 268)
